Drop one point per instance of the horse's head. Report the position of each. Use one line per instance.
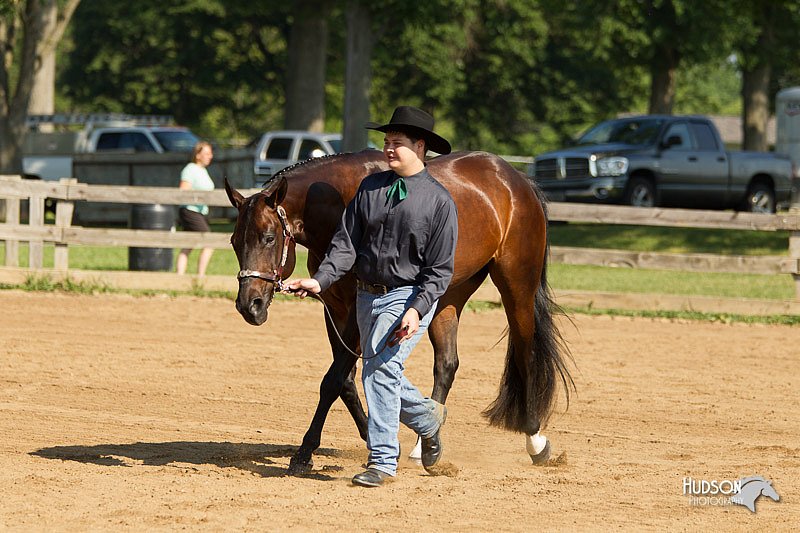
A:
(769, 491)
(264, 245)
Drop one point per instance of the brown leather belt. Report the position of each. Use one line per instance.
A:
(373, 288)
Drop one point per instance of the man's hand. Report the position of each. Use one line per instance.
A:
(411, 322)
(302, 287)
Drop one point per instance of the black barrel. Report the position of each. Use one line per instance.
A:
(151, 216)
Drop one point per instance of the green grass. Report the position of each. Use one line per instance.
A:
(722, 285)
(563, 277)
(670, 240)
(46, 283)
(726, 318)
(223, 262)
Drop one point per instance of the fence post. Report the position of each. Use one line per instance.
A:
(36, 219)
(794, 253)
(12, 218)
(64, 210)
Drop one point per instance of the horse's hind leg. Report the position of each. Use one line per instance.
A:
(443, 333)
(533, 360)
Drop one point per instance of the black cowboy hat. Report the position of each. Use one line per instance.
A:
(413, 120)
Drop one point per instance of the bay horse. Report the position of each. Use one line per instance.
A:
(502, 233)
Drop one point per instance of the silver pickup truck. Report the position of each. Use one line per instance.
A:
(660, 160)
(277, 150)
(49, 155)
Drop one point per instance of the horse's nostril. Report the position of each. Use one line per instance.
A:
(255, 305)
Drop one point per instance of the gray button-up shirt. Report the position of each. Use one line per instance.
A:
(396, 243)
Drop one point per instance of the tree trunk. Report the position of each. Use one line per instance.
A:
(305, 84)
(755, 96)
(662, 80)
(44, 80)
(756, 76)
(358, 76)
(15, 102)
(25, 38)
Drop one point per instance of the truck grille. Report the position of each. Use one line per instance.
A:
(559, 168)
(576, 167)
(546, 168)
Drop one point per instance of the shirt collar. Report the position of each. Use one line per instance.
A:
(422, 173)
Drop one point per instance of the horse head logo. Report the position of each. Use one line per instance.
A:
(752, 488)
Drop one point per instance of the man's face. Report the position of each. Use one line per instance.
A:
(400, 152)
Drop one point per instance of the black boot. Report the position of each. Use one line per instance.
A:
(371, 477)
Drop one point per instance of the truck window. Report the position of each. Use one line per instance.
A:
(308, 146)
(108, 141)
(176, 141)
(279, 148)
(628, 131)
(680, 130)
(704, 137)
(124, 140)
(336, 144)
(136, 141)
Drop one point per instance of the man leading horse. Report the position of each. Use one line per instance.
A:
(399, 233)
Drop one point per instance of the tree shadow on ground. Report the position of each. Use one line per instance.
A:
(255, 458)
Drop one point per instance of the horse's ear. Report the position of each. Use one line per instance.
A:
(234, 196)
(276, 192)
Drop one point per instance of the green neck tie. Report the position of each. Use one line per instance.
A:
(399, 185)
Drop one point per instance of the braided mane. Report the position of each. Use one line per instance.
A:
(299, 164)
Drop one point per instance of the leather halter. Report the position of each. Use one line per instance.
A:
(276, 276)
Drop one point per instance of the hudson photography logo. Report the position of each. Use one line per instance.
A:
(744, 491)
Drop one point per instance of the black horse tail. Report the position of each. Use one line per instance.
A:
(524, 403)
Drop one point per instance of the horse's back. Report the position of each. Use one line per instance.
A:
(497, 206)
(470, 177)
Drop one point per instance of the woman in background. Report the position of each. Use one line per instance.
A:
(194, 177)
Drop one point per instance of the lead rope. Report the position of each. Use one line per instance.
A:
(317, 297)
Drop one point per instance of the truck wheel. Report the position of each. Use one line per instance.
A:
(641, 193)
(760, 199)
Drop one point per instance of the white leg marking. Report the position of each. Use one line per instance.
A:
(416, 453)
(535, 443)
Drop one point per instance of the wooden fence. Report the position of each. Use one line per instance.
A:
(69, 191)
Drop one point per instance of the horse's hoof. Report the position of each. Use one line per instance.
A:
(299, 468)
(542, 457)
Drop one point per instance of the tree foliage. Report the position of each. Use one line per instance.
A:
(217, 65)
(509, 76)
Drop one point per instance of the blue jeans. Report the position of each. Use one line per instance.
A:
(391, 398)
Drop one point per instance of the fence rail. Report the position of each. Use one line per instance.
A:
(67, 192)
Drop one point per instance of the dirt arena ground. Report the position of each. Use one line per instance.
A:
(126, 413)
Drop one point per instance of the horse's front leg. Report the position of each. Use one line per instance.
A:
(349, 392)
(351, 400)
(329, 390)
(338, 381)
(443, 333)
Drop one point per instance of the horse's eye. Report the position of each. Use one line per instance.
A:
(268, 239)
